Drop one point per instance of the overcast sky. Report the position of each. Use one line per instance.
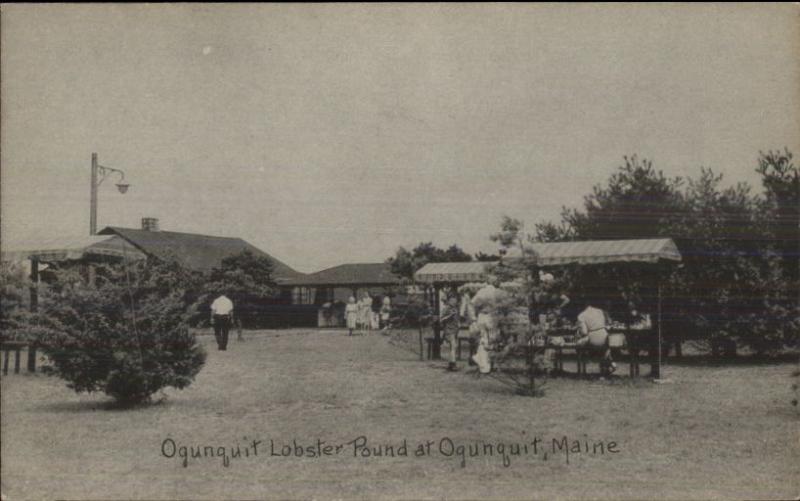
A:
(326, 134)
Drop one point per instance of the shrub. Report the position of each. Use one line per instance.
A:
(414, 312)
(246, 279)
(126, 336)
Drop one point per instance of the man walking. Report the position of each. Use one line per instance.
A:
(221, 319)
(450, 325)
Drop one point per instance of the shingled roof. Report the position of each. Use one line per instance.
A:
(196, 251)
(346, 275)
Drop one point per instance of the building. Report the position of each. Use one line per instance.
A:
(196, 252)
(193, 250)
(330, 288)
(340, 282)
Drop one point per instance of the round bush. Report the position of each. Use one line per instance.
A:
(126, 336)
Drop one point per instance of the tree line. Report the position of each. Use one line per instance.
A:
(739, 281)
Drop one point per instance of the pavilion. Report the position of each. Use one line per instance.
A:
(656, 252)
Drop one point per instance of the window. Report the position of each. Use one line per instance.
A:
(303, 295)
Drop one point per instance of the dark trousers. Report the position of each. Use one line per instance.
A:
(222, 326)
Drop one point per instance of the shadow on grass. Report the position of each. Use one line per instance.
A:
(739, 361)
(515, 381)
(100, 405)
(707, 360)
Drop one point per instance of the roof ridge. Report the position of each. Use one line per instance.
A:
(342, 265)
(178, 232)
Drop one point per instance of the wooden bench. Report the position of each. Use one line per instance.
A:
(472, 345)
(584, 354)
(16, 346)
(429, 344)
(468, 340)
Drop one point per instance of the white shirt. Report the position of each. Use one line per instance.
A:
(591, 319)
(222, 306)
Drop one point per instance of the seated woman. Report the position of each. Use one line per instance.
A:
(550, 302)
(640, 321)
(640, 329)
(592, 324)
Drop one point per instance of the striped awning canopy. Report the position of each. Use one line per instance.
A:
(49, 250)
(560, 254)
(605, 251)
(472, 271)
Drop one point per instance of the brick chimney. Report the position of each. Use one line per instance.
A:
(150, 224)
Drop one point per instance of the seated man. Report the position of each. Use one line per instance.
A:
(592, 323)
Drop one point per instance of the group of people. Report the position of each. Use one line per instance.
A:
(366, 314)
(591, 327)
(362, 316)
(482, 326)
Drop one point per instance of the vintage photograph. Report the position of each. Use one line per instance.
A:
(399, 251)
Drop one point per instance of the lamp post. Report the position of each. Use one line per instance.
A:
(99, 174)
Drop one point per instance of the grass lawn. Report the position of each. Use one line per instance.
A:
(713, 432)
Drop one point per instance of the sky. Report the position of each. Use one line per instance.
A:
(330, 134)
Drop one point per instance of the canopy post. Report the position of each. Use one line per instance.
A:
(530, 342)
(34, 307)
(656, 370)
(437, 329)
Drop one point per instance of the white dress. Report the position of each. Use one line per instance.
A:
(365, 312)
(486, 326)
(386, 309)
(351, 314)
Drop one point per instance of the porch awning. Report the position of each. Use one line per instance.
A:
(71, 248)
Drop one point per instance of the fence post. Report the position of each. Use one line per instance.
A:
(421, 347)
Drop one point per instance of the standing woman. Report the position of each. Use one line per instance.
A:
(365, 311)
(374, 313)
(351, 314)
(386, 311)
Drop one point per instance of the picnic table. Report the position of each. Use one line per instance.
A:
(463, 339)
